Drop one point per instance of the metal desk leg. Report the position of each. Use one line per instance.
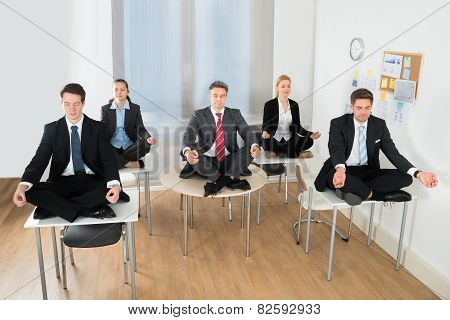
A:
(258, 216)
(350, 222)
(308, 224)
(191, 212)
(55, 252)
(147, 203)
(186, 215)
(130, 228)
(244, 204)
(125, 252)
(247, 252)
(230, 216)
(41, 262)
(285, 186)
(400, 241)
(63, 258)
(332, 234)
(369, 234)
(139, 192)
(300, 217)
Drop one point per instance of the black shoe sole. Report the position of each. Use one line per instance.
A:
(351, 198)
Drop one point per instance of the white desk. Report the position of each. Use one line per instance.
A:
(335, 202)
(145, 172)
(194, 187)
(261, 160)
(125, 213)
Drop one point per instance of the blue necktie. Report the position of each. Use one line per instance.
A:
(78, 165)
(362, 146)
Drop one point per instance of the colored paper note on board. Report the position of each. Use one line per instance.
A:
(384, 82)
(391, 83)
(406, 74)
(407, 62)
(382, 95)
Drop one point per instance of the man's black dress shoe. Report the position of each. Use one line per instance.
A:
(124, 197)
(351, 198)
(210, 189)
(102, 212)
(41, 214)
(239, 184)
(397, 196)
(187, 172)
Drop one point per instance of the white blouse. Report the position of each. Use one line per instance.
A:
(284, 122)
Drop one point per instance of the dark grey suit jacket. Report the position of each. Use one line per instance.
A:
(203, 127)
(342, 134)
(96, 151)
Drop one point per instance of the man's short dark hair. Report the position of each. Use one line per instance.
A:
(74, 88)
(361, 94)
(219, 84)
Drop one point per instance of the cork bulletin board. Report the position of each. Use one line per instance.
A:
(402, 66)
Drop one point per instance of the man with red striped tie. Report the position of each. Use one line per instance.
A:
(216, 153)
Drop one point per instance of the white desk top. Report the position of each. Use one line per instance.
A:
(195, 186)
(262, 159)
(136, 170)
(125, 211)
(331, 198)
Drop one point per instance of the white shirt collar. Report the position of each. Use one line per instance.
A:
(126, 105)
(79, 124)
(357, 124)
(280, 105)
(214, 111)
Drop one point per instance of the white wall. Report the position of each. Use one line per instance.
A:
(45, 45)
(293, 53)
(425, 139)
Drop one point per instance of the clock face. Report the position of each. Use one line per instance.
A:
(357, 49)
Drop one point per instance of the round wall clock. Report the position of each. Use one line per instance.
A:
(357, 49)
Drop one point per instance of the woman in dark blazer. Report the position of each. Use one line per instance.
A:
(125, 129)
(282, 132)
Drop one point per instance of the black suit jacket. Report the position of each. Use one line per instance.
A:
(134, 126)
(96, 151)
(271, 118)
(340, 143)
(203, 126)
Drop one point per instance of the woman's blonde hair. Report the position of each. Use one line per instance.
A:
(279, 79)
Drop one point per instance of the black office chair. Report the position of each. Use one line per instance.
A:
(92, 236)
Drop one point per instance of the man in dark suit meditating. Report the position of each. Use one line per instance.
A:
(353, 169)
(216, 155)
(83, 173)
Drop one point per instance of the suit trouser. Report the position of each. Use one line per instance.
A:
(70, 196)
(291, 147)
(361, 180)
(233, 165)
(133, 153)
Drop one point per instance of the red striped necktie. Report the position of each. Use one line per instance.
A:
(220, 141)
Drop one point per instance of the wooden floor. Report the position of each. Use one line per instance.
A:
(216, 267)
